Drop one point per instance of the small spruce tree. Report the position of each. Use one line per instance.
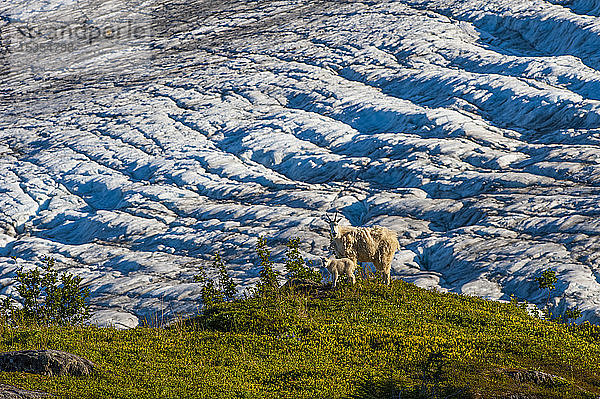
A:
(268, 276)
(547, 280)
(295, 264)
(572, 313)
(226, 283)
(212, 293)
(47, 297)
(209, 293)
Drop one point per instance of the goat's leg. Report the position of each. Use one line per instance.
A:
(351, 276)
(334, 274)
(386, 277)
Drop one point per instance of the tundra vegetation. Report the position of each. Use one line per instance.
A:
(366, 340)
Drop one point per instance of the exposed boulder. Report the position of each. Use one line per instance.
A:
(535, 377)
(48, 362)
(10, 392)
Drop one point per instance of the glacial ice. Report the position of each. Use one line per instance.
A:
(167, 131)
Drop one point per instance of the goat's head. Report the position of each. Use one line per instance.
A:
(333, 225)
(325, 261)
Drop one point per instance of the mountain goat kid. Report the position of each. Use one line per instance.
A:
(340, 266)
(365, 244)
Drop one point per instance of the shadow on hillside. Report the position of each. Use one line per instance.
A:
(373, 389)
(370, 388)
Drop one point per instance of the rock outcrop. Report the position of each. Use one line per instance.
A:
(535, 377)
(48, 362)
(10, 392)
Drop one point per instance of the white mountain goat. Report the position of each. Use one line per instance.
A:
(339, 266)
(365, 244)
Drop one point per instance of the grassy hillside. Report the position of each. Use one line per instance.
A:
(366, 341)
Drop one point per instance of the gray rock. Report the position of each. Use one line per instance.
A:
(535, 377)
(10, 392)
(48, 362)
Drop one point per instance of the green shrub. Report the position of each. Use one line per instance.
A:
(47, 297)
(225, 281)
(547, 280)
(296, 265)
(268, 276)
(211, 293)
(571, 313)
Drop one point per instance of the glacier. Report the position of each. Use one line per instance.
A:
(138, 138)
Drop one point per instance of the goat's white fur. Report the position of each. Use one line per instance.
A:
(365, 244)
(335, 267)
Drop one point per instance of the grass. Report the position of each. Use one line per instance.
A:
(366, 341)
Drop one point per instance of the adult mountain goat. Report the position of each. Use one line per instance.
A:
(365, 244)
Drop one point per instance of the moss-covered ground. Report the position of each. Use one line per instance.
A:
(365, 341)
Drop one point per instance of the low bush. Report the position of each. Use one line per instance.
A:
(547, 281)
(296, 266)
(46, 297)
(269, 283)
(213, 292)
